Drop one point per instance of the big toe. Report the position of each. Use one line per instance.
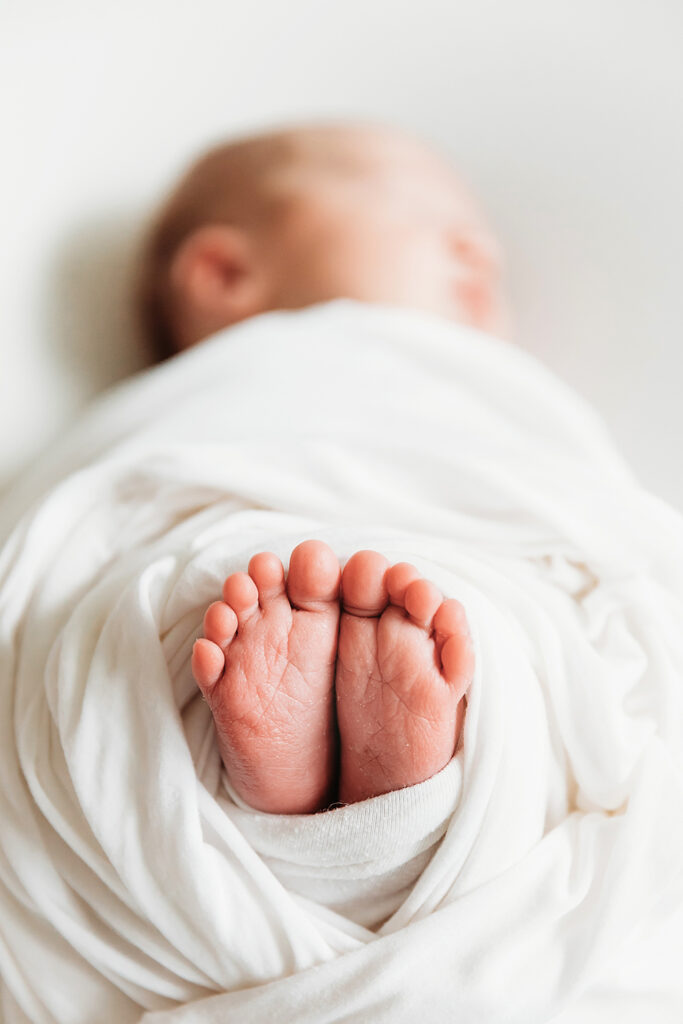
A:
(364, 588)
(313, 576)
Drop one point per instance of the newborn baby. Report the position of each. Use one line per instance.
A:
(492, 684)
(325, 685)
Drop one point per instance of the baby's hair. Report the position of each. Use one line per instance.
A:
(231, 183)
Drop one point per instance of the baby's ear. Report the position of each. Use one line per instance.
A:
(214, 276)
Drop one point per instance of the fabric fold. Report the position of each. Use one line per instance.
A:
(360, 860)
(539, 874)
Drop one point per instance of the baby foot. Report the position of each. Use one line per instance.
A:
(404, 662)
(266, 669)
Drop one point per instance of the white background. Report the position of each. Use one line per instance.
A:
(564, 115)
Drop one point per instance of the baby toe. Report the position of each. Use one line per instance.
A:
(241, 593)
(450, 618)
(220, 624)
(363, 585)
(398, 578)
(208, 663)
(457, 659)
(267, 572)
(421, 601)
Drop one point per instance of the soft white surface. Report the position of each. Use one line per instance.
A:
(564, 116)
(541, 872)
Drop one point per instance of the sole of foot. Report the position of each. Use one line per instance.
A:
(404, 662)
(266, 667)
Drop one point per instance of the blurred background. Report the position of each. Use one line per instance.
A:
(565, 117)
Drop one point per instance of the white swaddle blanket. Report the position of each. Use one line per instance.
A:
(539, 876)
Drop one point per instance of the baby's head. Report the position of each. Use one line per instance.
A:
(293, 217)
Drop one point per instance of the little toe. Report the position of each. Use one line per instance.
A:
(208, 663)
(421, 601)
(267, 572)
(220, 624)
(364, 589)
(457, 659)
(398, 578)
(454, 643)
(450, 620)
(240, 592)
(313, 576)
